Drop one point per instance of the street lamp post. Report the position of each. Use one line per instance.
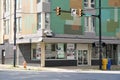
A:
(14, 47)
(100, 40)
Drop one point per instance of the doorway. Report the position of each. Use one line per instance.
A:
(82, 57)
(3, 56)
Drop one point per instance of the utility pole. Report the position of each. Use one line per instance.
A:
(100, 40)
(14, 47)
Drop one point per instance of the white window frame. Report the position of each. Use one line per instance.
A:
(89, 21)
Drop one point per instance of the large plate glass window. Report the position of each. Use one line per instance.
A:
(60, 51)
(35, 52)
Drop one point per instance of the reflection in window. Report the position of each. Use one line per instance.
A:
(35, 52)
(59, 51)
(107, 52)
(47, 21)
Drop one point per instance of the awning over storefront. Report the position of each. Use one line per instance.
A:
(66, 40)
(29, 40)
(80, 40)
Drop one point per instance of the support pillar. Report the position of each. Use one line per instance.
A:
(42, 44)
(18, 52)
(42, 54)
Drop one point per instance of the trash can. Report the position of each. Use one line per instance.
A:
(104, 63)
(109, 64)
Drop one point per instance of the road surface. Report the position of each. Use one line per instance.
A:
(49, 75)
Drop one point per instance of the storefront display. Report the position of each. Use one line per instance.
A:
(70, 51)
(60, 50)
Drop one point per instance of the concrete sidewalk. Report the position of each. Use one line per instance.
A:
(62, 69)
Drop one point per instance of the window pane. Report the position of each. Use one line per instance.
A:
(95, 54)
(85, 0)
(47, 20)
(71, 54)
(20, 28)
(85, 4)
(19, 2)
(86, 23)
(92, 24)
(38, 1)
(38, 21)
(92, 1)
(18, 24)
(93, 5)
(7, 25)
(35, 52)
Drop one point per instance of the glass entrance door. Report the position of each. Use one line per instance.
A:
(82, 57)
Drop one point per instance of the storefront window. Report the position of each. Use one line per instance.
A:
(107, 52)
(35, 52)
(60, 51)
(50, 51)
(70, 51)
(95, 53)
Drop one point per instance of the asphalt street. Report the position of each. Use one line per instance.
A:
(49, 75)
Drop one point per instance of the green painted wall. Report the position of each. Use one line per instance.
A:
(110, 27)
(63, 24)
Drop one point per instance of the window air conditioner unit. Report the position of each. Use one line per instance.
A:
(48, 33)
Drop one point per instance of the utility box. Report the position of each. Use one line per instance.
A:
(109, 64)
(104, 63)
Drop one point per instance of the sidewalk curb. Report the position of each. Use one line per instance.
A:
(31, 68)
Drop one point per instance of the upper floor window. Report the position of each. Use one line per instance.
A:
(19, 23)
(7, 5)
(47, 0)
(89, 3)
(38, 21)
(89, 24)
(18, 4)
(7, 26)
(47, 20)
(38, 1)
(89, 21)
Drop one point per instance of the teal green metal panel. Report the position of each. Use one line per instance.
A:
(58, 23)
(109, 26)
